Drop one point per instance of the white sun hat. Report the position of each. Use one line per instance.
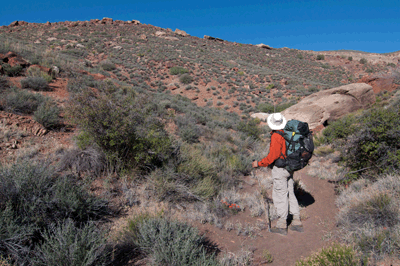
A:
(276, 121)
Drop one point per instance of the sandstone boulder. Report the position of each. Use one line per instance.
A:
(329, 105)
(262, 116)
(106, 21)
(181, 32)
(160, 33)
(206, 37)
(170, 38)
(261, 45)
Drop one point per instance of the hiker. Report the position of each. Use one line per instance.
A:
(283, 191)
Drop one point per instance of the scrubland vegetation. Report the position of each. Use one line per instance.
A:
(146, 144)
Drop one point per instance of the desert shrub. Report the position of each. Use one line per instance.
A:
(271, 108)
(12, 71)
(363, 61)
(75, 53)
(336, 254)
(33, 198)
(90, 161)
(107, 65)
(375, 147)
(76, 85)
(369, 215)
(3, 83)
(35, 83)
(127, 128)
(340, 129)
(188, 130)
(174, 243)
(250, 127)
(48, 114)
(60, 198)
(320, 57)
(350, 58)
(379, 210)
(66, 244)
(186, 79)
(36, 72)
(21, 101)
(195, 176)
(178, 70)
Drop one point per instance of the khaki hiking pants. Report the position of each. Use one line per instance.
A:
(283, 194)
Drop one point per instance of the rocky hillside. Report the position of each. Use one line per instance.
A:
(209, 71)
(131, 140)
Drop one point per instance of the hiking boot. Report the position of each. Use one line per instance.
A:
(280, 228)
(277, 230)
(296, 224)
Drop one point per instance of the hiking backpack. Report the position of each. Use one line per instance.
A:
(299, 145)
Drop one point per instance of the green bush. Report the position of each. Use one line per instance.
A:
(127, 128)
(174, 243)
(36, 72)
(334, 255)
(320, 57)
(375, 146)
(66, 244)
(340, 129)
(21, 101)
(35, 83)
(12, 71)
(363, 61)
(48, 114)
(186, 79)
(178, 70)
(350, 58)
(250, 127)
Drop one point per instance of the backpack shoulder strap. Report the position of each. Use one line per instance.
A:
(283, 136)
(280, 133)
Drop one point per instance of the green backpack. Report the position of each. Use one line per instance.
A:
(299, 145)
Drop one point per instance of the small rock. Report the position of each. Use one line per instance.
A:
(262, 116)
(160, 33)
(169, 38)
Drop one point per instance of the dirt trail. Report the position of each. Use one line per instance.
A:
(318, 220)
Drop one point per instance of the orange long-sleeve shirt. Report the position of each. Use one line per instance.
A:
(276, 150)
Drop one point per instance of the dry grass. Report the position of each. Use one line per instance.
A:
(242, 258)
(369, 215)
(323, 167)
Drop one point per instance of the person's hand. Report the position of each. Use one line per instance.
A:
(254, 164)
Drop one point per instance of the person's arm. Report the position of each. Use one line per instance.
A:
(275, 149)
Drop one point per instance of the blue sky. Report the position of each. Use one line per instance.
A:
(365, 25)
